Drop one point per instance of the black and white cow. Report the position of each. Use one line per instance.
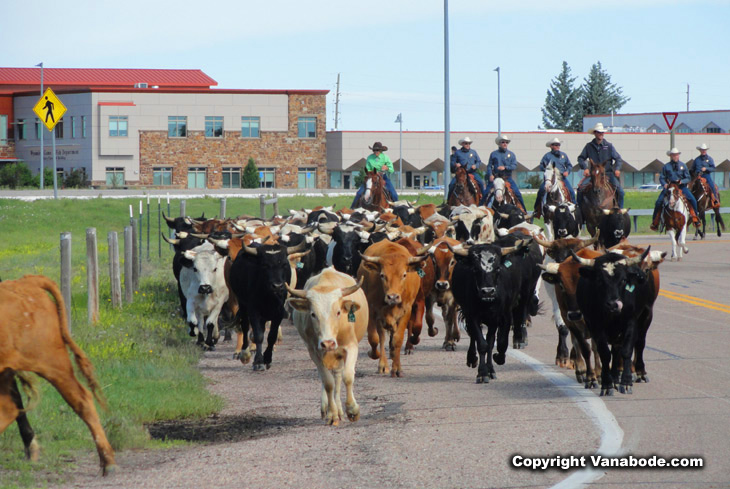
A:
(615, 226)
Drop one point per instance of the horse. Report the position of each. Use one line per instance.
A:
(702, 192)
(503, 194)
(466, 189)
(556, 193)
(374, 198)
(597, 197)
(674, 218)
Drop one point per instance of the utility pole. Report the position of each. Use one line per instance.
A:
(337, 101)
(499, 104)
(688, 97)
(447, 108)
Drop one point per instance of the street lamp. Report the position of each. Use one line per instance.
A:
(499, 111)
(447, 108)
(399, 120)
(42, 154)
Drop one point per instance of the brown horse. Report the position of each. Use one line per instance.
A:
(466, 189)
(598, 196)
(374, 198)
(674, 218)
(702, 192)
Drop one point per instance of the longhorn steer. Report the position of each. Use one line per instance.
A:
(331, 316)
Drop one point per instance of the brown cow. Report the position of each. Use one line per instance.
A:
(441, 294)
(35, 336)
(423, 302)
(391, 283)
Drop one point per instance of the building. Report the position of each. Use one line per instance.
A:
(165, 128)
(697, 121)
(423, 154)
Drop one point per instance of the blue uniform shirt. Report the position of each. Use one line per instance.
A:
(558, 159)
(498, 158)
(465, 158)
(703, 161)
(673, 172)
(600, 153)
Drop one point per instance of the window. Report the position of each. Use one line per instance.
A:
(266, 177)
(196, 177)
(118, 126)
(3, 130)
(307, 178)
(177, 126)
(683, 128)
(231, 177)
(713, 130)
(59, 129)
(250, 127)
(38, 128)
(83, 126)
(114, 177)
(214, 127)
(21, 129)
(162, 176)
(335, 179)
(307, 127)
(72, 120)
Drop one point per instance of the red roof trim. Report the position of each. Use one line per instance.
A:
(107, 77)
(119, 104)
(180, 90)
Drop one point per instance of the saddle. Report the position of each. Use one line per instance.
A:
(714, 203)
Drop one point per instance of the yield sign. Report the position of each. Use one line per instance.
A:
(49, 109)
(670, 118)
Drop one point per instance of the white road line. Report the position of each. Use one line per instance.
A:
(611, 433)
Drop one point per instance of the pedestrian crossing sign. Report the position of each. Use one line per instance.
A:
(49, 109)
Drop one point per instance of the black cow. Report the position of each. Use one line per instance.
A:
(310, 264)
(615, 226)
(347, 245)
(258, 275)
(409, 215)
(564, 222)
(183, 241)
(507, 216)
(320, 216)
(494, 286)
(616, 298)
(182, 224)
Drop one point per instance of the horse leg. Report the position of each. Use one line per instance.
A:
(671, 234)
(682, 241)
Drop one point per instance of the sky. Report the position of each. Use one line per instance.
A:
(390, 54)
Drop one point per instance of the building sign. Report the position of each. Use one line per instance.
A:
(62, 152)
(49, 109)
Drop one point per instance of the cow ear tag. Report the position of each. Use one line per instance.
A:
(351, 315)
(631, 287)
(421, 273)
(507, 263)
(300, 265)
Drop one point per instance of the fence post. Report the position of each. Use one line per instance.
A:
(262, 206)
(114, 275)
(129, 263)
(223, 208)
(66, 273)
(135, 255)
(276, 205)
(183, 211)
(148, 227)
(159, 228)
(92, 276)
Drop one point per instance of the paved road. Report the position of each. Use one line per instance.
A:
(436, 428)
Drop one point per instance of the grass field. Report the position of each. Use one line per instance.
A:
(144, 359)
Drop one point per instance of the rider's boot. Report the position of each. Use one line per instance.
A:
(655, 222)
(695, 219)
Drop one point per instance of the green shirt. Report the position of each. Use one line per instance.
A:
(377, 162)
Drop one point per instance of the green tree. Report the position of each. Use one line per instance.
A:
(599, 95)
(47, 178)
(76, 179)
(562, 109)
(250, 175)
(359, 178)
(16, 175)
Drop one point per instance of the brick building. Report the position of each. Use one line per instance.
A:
(166, 128)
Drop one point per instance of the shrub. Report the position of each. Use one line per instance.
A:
(250, 175)
(16, 175)
(76, 179)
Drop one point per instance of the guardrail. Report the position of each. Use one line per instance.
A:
(635, 213)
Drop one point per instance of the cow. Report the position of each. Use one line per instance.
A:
(183, 241)
(441, 293)
(507, 216)
(258, 278)
(391, 284)
(203, 281)
(616, 297)
(423, 301)
(615, 226)
(563, 223)
(331, 315)
(348, 241)
(494, 286)
(35, 336)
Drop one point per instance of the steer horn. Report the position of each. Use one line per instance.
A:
(518, 244)
(220, 243)
(638, 259)
(251, 250)
(172, 241)
(590, 241)
(327, 228)
(290, 250)
(371, 259)
(583, 261)
(199, 235)
(463, 251)
(295, 292)
(417, 259)
(543, 243)
(168, 219)
(551, 268)
(352, 288)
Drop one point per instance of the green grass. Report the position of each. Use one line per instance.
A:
(144, 359)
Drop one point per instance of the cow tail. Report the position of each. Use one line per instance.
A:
(82, 361)
(30, 387)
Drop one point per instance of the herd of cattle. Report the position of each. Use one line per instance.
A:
(340, 274)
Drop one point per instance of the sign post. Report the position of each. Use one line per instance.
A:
(49, 106)
(670, 118)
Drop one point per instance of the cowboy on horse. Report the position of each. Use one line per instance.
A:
(378, 162)
(468, 159)
(703, 166)
(502, 163)
(602, 152)
(674, 172)
(554, 159)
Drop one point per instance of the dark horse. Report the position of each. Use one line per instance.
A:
(375, 197)
(702, 192)
(466, 189)
(597, 197)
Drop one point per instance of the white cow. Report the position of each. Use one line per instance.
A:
(203, 282)
(331, 315)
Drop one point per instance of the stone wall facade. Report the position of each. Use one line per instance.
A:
(284, 151)
(7, 151)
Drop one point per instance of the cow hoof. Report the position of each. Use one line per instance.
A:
(607, 392)
(258, 367)
(268, 366)
(492, 375)
(209, 347)
(580, 378)
(498, 358)
(414, 340)
(449, 346)
(433, 332)
(383, 370)
(642, 378)
(482, 379)
(353, 413)
(374, 354)
(408, 349)
(33, 452)
(471, 362)
(396, 373)
(109, 470)
(625, 389)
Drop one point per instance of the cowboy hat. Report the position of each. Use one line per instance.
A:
(378, 146)
(553, 141)
(597, 128)
(466, 140)
(703, 146)
(674, 151)
(501, 138)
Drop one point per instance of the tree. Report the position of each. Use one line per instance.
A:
(359, 178)
(250, 175)
(562, 109)
(599, 95)
(16, 175)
